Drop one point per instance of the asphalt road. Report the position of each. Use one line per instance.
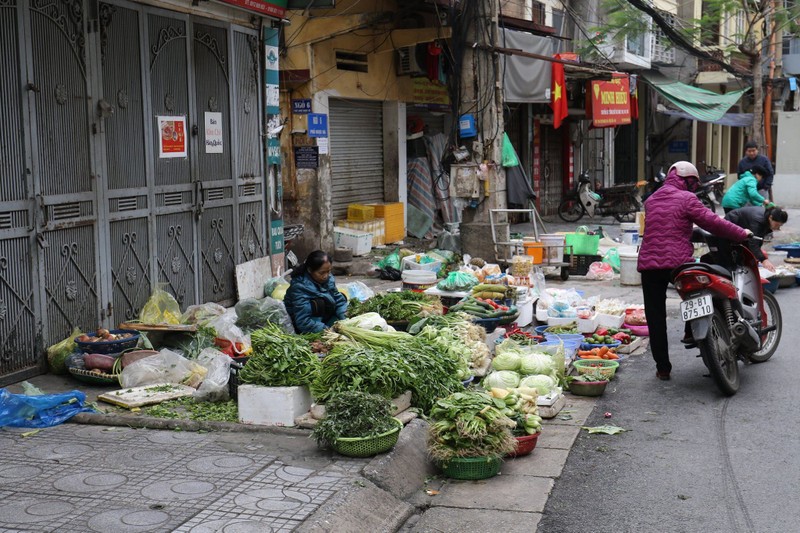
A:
(692, 460)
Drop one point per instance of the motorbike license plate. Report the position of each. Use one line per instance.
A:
(697, 307)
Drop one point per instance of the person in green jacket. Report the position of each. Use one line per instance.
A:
(745, 191)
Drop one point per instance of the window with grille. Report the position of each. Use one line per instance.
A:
(661, 49)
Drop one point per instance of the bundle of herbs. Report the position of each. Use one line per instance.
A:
(469, 424)
(279, 359)
(457, 332)
(397, 306)
(386, 363)
(354, 414)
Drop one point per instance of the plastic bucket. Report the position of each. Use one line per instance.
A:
(554, 247)
(628, 275)
(630, 233)
(535, 250)
(418, 280)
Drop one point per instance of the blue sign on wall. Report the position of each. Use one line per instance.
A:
(301, 106)
(317, 125)
(678, 147)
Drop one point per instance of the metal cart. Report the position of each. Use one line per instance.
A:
(510, 247)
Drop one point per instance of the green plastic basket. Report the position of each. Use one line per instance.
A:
(368, 446)
(605, 368)
(470, 467)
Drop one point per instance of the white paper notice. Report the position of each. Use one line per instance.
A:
(213, 133)
(322, 144)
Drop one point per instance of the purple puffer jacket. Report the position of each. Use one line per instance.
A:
(669, 217)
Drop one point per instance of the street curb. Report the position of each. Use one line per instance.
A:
(148, 422)
(402, 471)
(362, 506)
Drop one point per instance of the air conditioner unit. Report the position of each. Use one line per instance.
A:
(411, 60)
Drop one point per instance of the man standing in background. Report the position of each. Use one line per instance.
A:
(751, 159)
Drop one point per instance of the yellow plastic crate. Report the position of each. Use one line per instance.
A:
(389, 210)
(360, 213)
(376, 227)
(395, 229)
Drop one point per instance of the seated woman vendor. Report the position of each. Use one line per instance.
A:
(312, 300)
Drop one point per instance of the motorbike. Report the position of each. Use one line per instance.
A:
(712, 186)
(655, 183)
(732, 317)
(620, 201)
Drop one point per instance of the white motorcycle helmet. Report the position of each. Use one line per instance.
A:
(686, 170)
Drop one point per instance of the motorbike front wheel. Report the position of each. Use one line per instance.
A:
(571, 210)
(718, 357)
(769, 341)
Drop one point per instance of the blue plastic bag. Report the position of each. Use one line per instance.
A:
(19, 410)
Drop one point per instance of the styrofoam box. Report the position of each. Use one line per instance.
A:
(557, 321)
(358, 241)
(272, 406)
(609, 321)
(587, 325)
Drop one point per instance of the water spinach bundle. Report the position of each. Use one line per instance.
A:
(279, 359)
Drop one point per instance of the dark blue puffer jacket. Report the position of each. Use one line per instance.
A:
(298, 300)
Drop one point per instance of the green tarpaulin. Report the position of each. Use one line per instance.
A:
(701, 104)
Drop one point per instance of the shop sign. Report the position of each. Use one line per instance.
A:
(678, 147)
(611, 105)
(433, 95)
(276, 236)
(172, 141)
(301, 106)
(213, 133)
(317, 125)
(306, 156)
(273, 8)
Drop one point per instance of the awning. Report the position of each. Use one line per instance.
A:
(701, 104)
(526, 80)
(740, 120)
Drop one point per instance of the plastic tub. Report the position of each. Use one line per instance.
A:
(418, 280)
(628, 261)
(630, 233)
(554, 247)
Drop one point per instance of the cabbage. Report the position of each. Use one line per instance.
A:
(371, 321)
(543, 384)
(537, 363)
(506, 360)
(503, 379)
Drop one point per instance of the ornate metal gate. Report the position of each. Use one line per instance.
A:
(90, 217)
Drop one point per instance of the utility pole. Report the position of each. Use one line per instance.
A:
(482, 90)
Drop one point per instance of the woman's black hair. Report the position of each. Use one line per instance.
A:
(777, 214)
(313, 262)
(758, 169)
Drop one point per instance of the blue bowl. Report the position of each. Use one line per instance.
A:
(540, 330)
(489, 324)
(587, 346)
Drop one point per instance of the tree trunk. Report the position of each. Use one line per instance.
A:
(758, 100)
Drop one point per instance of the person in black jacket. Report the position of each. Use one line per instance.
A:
(752, 158)
(762, 222)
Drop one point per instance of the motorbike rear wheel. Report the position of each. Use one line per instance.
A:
(769, 341)
(627, 211)
(718, 356)
(571, 210)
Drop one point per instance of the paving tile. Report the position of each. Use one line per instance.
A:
(543, 462)
(559, 436)
(212, 522)
(450, 520)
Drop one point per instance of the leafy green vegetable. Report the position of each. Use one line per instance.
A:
(396, 306)
(189, 408)
(542, 383)
(386, 363)
(506, 360)
(279, 359)
(501, 379)
(607, 430)
(469, 424)
(354, 414)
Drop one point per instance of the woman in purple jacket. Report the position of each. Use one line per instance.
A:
(670, 215)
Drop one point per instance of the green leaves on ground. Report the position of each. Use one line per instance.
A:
(607, 430)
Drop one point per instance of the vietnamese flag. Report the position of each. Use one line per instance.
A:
(558, 95)
(634, 98)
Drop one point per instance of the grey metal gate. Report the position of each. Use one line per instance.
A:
(90, 217)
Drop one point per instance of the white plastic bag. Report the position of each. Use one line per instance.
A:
(226, 328)
(164, 367)
(600, 271)
(215, 385)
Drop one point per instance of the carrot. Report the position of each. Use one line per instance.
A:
(585, 352)
(590, 357)
(612, 355)
(603, 351)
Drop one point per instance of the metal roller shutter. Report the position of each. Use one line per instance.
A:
(356, 136)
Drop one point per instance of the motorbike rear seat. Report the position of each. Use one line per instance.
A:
(705, 267)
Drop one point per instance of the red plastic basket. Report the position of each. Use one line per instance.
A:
(525, 445)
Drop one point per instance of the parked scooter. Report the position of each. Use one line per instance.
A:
(620, 201)
(712, 186)
(732, 317)
(655, 183)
